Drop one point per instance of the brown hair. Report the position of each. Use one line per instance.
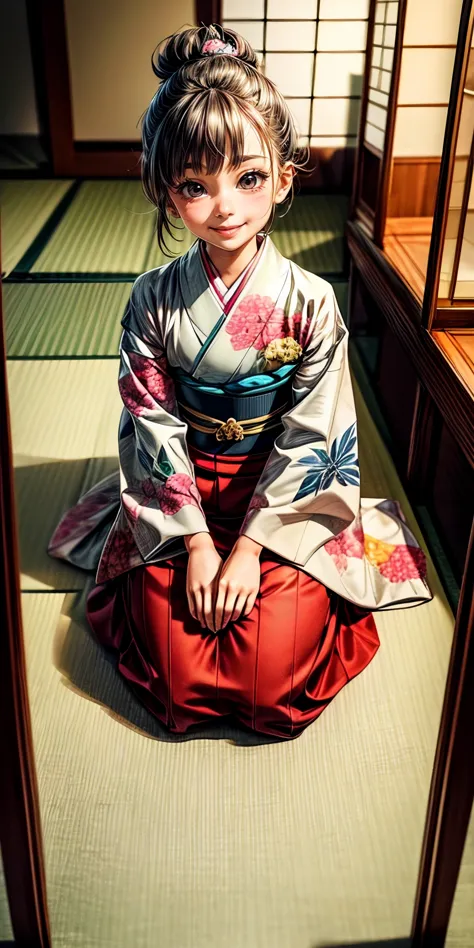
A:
(199, 105)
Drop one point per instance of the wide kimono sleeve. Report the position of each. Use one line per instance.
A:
(159, 499)
(309, 490)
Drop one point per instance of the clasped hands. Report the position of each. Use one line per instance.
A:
(220, 592)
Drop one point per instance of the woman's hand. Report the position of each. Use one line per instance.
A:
(238, 583)
(203, 566)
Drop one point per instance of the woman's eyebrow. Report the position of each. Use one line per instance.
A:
(244, 158)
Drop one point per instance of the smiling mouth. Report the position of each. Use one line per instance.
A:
(234, 227)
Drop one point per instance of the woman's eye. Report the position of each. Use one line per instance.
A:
(183, 189)
(250, 180)
(253, 175)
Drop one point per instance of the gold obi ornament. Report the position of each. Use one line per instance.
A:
(281, 351)
(231, 429)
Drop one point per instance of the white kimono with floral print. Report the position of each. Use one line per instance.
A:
(306, 506)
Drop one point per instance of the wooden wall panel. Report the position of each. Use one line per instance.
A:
(333, 170)
(450, 495)
(413, 187)
(397, 383)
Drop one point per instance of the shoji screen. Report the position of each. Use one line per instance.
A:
(380, 78)
(429, 42)
(314, 50)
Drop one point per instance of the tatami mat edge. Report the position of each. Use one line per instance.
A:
(64, 319)
(28, 208)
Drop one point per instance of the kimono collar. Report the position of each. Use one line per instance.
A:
(265, 276)
(225, 337)
(225, 294)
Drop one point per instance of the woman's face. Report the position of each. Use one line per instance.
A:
(228, 209)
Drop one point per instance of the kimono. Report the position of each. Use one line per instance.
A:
(238, 418)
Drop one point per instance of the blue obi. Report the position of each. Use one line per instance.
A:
(256, 404)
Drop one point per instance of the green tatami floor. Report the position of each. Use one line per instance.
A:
(221, 838)
(26, 206)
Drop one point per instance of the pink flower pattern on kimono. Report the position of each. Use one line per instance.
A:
(154, 375)
(77, 519)
(255, 322)
(350, 542)
(257, 502)
(403, 562)
(119, 554)
(406, 562)
(134, 395)
(148, 386)
(177, 491)
(132, 506)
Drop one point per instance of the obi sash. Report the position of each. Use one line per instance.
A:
(237, 417)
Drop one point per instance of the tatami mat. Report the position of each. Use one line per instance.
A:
(6, 934)
(59, 407)
(25, 206)
(461, 922)
(64, 417)
(235, 841)
(107, 229)
(63, 319)
(311, 234)
(44, 489)
(181, 241)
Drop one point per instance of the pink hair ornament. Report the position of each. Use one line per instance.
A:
(213, 46)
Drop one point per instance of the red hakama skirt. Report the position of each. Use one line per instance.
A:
(274, 671)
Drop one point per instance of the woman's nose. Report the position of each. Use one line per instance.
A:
(223, 204)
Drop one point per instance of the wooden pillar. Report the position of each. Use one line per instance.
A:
(20, 827)
(452, 784)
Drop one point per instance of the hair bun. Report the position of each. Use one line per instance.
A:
(185, 47)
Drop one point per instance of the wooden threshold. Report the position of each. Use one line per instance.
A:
(457, 345)
(402, 311)
(409, 226)
(406, 247)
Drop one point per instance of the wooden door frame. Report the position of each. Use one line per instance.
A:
(47, 20)
(452, 782)
(373, 219)
(430, 311)
(20, 824)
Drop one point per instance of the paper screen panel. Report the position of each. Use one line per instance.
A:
(380, 73)
(315, 54)
(290, 35)
(419, 127)
(433, 24)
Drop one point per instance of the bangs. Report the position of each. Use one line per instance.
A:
(198, 131)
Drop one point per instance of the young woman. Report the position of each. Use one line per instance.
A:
(238, 567)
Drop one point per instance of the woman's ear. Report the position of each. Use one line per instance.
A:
(286, 177)
(171, 209)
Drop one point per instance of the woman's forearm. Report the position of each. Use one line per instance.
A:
(248, 545)
(197, 541)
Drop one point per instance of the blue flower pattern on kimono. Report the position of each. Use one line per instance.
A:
(341, 463)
